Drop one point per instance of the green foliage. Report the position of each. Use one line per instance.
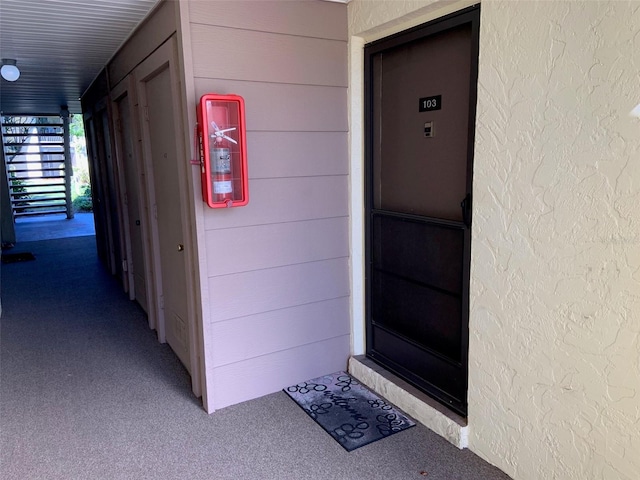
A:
(19, 190)
(83, 202)
(81, 180)
(18, 187)
(76, 127)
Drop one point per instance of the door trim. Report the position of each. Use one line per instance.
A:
(99, 188)
(119, 155)
(165, 55)
(469, 15)
(127, 87)
(147, 69)
(99, 113)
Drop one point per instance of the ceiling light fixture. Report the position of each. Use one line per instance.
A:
(9, 71)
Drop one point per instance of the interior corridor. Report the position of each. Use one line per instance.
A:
(87, 392)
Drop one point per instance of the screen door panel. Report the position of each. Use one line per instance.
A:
(421, 102)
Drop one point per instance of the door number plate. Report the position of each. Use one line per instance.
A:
(428, 104)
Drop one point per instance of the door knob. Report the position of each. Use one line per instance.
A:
(180, 247)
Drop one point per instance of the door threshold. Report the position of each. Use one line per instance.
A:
(436, 417)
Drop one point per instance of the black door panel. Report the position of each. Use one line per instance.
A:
(421, 95)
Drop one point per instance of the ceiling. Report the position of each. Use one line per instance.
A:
(60, 46)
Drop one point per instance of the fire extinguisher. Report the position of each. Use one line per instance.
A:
(221, 157)
(223, 150)
(222, 179)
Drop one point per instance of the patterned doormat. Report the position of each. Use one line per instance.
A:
(17, 257)
(347, 410)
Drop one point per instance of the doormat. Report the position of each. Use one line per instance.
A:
(17, 257)
(348, 411)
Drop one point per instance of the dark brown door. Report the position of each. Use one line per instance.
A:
(421, 94)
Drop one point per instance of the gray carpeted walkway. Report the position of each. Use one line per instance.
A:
(86, 392)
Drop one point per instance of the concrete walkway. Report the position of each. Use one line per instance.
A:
(49, 227)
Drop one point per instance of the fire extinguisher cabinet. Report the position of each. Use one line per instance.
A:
(223, 150)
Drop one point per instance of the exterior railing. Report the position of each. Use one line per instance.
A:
(36, 165)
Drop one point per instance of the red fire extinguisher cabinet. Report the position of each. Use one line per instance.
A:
(223, 150)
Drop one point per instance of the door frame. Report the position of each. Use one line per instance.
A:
(111, 177)
(117, 94)
(165, 55)
(467, 15)
(94, 129)
(127, 87)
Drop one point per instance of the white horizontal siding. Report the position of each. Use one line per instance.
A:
(276, 331)
(274, 245)
(266, 374)
(284, 107)
(258, 291)
(308, 18)
(268, 58)
(297, 154)
(281, 200)
(277, 269)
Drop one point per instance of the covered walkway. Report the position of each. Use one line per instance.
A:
(29, 229)
(87, 392)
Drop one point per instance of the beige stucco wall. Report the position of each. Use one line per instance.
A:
(554, 387)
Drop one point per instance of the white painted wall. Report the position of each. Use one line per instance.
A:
(554, 387)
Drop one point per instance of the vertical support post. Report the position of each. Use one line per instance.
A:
(7, 218)
(68, 168)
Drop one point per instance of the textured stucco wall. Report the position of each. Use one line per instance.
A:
(555, 290)
(555, 317)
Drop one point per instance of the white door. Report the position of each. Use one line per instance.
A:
(136, 228)
(161, 130)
